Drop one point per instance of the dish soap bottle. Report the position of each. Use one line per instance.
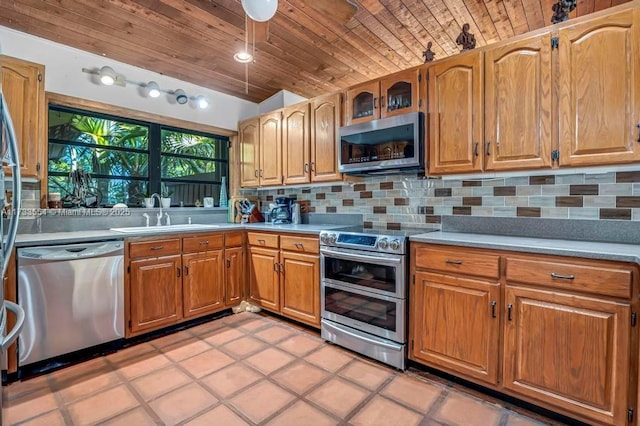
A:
(223, 192)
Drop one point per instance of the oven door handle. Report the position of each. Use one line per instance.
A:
(369, 340)
(362, 258)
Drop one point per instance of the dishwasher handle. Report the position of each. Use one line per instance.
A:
(72, 252)
(17, 328)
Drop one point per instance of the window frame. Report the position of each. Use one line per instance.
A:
(154, 147)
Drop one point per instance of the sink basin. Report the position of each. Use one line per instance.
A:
(169, 228)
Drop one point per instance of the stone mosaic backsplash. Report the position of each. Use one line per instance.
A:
(413, 201)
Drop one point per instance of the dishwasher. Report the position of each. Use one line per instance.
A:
(73, 298)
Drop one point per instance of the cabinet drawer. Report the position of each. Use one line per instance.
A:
(203, 242)
(233, 239)
(607, 280)
(154, 248)
(299, 244)
(455, 260)
(262, 240)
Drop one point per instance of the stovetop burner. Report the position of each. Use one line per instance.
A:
(371, 239)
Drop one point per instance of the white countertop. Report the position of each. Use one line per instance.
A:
(585, 249)
(44, 238)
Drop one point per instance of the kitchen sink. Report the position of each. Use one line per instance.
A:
(167, 228)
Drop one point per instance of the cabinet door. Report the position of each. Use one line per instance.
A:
(569, 351)
(517, 133)
(325, 121)
(23, 87)
(362, 102)
(156, 293)
(455, 325)
(271, 149)
(234, 275)
(249, 152)
(295, 144)
(455, 115)
(600, 90)
(202, 284)
(399, 93)
(264, 278)
(300, 290)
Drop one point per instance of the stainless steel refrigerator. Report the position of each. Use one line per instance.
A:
(10, 159)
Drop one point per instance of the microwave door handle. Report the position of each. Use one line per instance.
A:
(363, 258)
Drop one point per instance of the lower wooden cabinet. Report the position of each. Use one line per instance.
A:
(233, 275)
(562, 336)
(301, 287)
(569, 351)
(203, 283)
(178, 278)
(456, 324)
(264, 277)
(284, 275)
(156, 293)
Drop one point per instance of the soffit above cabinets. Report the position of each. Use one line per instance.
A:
(308, 51)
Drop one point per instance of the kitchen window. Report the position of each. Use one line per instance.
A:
(100, 160)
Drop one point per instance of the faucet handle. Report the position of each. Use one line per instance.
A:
(146, 216)
(168, 218)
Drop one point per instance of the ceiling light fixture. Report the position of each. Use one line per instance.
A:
(108, 77)
(260, 10)
(153, 90)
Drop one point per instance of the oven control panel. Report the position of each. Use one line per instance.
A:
(361, 241)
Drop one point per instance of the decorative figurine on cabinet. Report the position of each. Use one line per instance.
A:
(466, 39)
(428, 54)
(561, 10)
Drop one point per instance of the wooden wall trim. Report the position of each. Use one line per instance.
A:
(73, 102)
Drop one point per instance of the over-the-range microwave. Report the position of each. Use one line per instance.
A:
(387, 145)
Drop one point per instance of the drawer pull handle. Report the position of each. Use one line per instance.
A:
(299, 246)
(493, 309)
(281, 267)
(261, 241)
(157, 248)
(228, 263)
(562, 277)
(453, 262)
(275, 267)
(203, 243)
(509, 307)
(178, 272)
(186, 271)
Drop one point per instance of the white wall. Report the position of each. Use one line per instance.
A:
(279, 100)
(64, 75)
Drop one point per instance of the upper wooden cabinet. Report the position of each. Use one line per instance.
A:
(295, 144)
(325, 121)
(455, 114)
(518, 105)
(23, 88)
(599, 93)
(270, 136)
(391, 95)
(248, 137)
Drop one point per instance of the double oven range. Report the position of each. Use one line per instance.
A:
(364, 290)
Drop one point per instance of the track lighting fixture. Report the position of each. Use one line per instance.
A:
(153, 90)
(108, 77)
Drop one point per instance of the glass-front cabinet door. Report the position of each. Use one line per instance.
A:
(399, 93)
(363, 102)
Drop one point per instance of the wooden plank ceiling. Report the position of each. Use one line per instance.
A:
(308, 51)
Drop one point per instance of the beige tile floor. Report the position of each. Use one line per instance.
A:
(246, 369)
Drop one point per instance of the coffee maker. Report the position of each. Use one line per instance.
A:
(282, 212)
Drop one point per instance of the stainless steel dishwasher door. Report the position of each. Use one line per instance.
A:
(73, 297)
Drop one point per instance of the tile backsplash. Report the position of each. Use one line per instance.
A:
(403, 201)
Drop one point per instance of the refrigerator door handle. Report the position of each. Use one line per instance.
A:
(12, 147)
(17, 328)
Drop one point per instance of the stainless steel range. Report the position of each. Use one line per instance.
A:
(364, 293)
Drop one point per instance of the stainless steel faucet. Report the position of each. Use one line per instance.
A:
(159, 215)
